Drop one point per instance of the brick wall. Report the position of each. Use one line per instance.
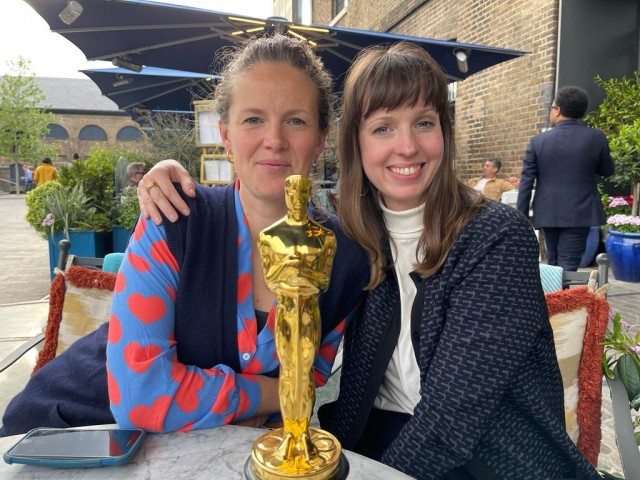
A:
(497, 110)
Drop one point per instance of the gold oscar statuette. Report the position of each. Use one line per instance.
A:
(297, 257)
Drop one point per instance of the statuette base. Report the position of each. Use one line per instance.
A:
(265, 463)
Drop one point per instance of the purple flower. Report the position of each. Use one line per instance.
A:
(636, 349)
(618, 202)
(48, 220)
(624, 223)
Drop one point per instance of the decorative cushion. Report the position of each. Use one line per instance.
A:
(579, 319)
(551, 277)
(79, 302)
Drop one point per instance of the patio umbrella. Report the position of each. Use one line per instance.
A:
(153, 88)
(134, 33)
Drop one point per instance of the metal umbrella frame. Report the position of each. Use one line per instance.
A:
(136, 33)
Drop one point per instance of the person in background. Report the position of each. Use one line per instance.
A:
(135, 172)
(439, 379)
(564, 163)
(45, 172)
(28, 178)
(489, 184)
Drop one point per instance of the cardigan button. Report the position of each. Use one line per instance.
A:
(246, 356)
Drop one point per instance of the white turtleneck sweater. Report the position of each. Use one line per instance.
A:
(400, 390)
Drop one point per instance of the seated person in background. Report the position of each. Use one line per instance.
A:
(190, 342)
(489, 184)
(135, 172)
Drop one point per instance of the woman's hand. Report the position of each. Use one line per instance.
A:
(165, 197)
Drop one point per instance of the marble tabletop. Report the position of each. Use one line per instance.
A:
(216, 453)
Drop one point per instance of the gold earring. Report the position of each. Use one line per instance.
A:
(229, 157)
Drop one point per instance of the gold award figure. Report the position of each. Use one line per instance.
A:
(297, 257)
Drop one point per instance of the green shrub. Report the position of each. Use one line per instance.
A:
(129, 209)
(36, 209)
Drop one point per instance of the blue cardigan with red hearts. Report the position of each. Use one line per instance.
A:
(210, 337)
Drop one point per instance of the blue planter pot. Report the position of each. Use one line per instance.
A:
(591, 249)
(120, 237)
(84, 243)
(624, 250)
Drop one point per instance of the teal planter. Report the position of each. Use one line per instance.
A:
(84, 243)
(120, 236)
(624, 250)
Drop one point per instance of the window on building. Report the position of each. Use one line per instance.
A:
(56, 131)
(93, 132)
(338, 6)
(129, 134)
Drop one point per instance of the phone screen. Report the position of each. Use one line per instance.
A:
(76, 443)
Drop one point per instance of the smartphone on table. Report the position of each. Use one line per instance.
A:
(76, 447)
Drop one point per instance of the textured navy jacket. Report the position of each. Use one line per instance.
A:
(490, 384)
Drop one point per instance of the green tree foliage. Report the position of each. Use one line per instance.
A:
(621, 105)
(619, 117)
(23, 120)
(173, 136)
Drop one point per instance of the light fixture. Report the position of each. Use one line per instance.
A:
(125, 63)
(71, 12)
(461, 57)
(122, 80)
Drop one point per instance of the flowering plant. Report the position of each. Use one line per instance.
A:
(624, 223)
(622, 359)
(618, 211)
(617, 205)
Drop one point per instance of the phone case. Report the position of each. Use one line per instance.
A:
(71, 462)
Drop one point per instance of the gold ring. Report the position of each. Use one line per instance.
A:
(150, 185)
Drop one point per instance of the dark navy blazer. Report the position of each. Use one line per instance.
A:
(564, 163)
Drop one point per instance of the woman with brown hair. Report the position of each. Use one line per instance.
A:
(450, 369)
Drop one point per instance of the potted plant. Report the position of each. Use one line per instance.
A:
(128, 211)
(619, 117)
(621, 359)
(69, 213)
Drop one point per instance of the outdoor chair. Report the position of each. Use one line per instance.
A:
(579, 315)
(79, 302)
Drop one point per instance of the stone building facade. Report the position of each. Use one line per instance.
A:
(85, 118)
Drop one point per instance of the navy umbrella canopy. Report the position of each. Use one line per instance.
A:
(153, 88)
(134, 33)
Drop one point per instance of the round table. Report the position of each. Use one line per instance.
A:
(216, 453)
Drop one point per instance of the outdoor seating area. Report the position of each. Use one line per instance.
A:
(26, 321)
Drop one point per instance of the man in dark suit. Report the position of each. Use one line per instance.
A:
(564, 163)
